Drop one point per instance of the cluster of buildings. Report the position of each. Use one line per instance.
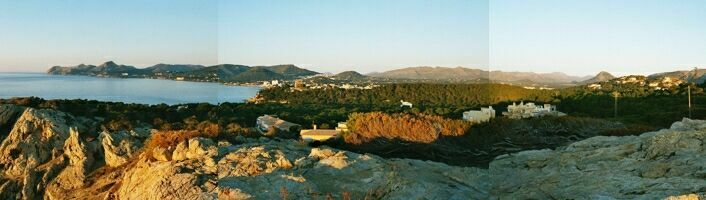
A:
(537, 88)
(273, 83)
(515, 111)
(530, 110)
(300, 85)
(640, 80)
(595, 86)
(662, 83)
(266, 123)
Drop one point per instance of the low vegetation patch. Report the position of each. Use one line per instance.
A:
(421, 128)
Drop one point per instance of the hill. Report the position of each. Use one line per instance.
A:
(349, 75)
(107, 68)
(167, 68)
(256, 74)
(224, 71)
(290, 71)
(600, 77)
(698, 76)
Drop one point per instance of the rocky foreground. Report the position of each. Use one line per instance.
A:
(46, 155)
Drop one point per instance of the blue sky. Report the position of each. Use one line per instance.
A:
(363, 35)
(579, 37)
(586, 36)
(37, 34)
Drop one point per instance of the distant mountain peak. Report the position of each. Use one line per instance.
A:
(600, 77)
(350, 75)
(605, 74)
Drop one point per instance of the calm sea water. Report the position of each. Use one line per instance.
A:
(145, 91)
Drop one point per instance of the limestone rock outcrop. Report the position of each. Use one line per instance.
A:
(36, 138)
(653, 165)
(119, 147)
(266, 170)
(37, 150)
(81, 160)
(48, 155)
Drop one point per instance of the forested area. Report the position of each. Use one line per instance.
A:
(636, 104)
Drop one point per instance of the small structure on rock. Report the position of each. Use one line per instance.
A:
(342, 127)
(267, 122)
(320, 135)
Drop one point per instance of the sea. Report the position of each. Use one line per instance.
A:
(127, 90)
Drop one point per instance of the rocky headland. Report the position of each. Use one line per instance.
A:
(48, 154)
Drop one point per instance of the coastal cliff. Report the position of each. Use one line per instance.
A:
(52, 155)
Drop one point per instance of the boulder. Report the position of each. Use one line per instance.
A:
(118, 147)
(163, 181)
(81, 161)
(688, 124)
(162, 154)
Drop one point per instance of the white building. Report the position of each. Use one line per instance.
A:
(479, 116)
(269, 84)
(528, 110)
(342, 127)
(405, 104)
(595, 86)
(266, 122)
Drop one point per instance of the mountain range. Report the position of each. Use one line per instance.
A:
(467, 74)
(248, 74)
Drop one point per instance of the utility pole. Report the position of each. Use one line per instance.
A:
(616, 94)
(689, 90)
(691, 79)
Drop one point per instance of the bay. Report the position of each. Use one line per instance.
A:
(143, 91)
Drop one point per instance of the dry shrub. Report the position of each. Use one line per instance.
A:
(412, 128)
(284, 193)
(346, 195)
(167, 139)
